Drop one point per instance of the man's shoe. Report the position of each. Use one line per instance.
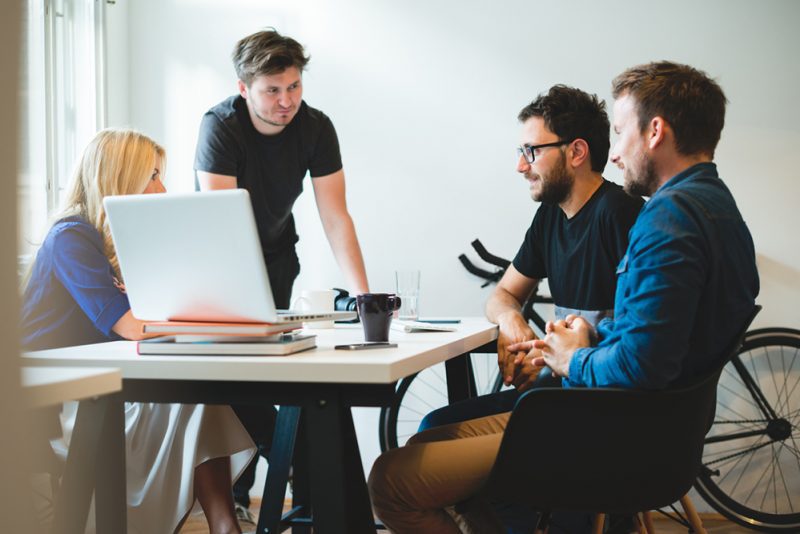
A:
(243, 514)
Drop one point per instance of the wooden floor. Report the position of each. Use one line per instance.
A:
(713, 523)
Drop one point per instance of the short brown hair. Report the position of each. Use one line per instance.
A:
(267, 52)
(692, 103)
(574, 114)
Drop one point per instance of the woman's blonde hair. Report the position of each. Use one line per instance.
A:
(116, 162)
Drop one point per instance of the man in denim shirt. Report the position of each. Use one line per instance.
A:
(688, 281)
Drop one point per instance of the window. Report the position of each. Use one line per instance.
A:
(63, 103)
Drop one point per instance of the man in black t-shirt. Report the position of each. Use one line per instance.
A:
(265, 139)
(579, 233)
(577, 237)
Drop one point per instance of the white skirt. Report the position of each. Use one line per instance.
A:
(163, 445)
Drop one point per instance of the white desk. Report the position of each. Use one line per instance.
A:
(96, 459)
(49, 386)
(316, 388)
(324, 364)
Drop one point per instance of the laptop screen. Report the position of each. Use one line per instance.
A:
(191, 256)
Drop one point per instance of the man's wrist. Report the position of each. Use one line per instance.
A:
(508, 318)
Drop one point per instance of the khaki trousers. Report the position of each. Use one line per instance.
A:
(411, 486)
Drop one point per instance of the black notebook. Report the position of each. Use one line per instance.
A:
(229, 345)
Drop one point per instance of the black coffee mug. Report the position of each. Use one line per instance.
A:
(376, 310)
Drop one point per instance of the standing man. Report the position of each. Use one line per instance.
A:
(685, 287)
(265, 139)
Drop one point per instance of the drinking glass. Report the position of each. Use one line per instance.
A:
(407, 288)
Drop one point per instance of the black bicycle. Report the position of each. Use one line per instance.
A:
(751, 460)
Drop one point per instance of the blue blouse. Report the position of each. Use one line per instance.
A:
(71, 298)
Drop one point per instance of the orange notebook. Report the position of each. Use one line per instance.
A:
(218, 329)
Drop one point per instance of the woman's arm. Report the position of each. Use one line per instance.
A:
(129, 327)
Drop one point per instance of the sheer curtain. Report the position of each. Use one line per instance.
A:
(62, 103)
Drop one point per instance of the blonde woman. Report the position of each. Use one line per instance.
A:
(74, 295)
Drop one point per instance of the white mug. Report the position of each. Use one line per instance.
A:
(315, 301)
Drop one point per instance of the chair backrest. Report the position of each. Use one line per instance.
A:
(605, 449)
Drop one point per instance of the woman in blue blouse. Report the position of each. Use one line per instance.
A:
(74, 295)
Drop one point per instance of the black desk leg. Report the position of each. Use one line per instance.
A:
(460, 380)
(301, 485)
(77, 484)
(339, 493)
(280, 460)
(110, 494)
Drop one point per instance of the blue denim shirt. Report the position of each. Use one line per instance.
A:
(685, 287)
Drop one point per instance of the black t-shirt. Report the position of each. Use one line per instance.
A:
(579, 256)
(270, 167)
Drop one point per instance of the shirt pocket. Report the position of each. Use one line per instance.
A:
(623, 287)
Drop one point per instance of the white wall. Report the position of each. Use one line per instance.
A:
(424, 97)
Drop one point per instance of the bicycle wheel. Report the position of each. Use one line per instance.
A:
(751, 460)
(421, 393)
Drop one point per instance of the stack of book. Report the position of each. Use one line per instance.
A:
(198, 338)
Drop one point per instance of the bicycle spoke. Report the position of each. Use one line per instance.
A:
(439, 375)
(783, 480)
(772, 479)
(788, 396)
(755, 486)
(728, 454)
(772, 375)
(794, 450)
(727, 371)
(739, 458)
(796, 455)
(421, 414)
(430, 386)
(784, 397)
(753, 367)
(420, 399)
(736, 459)
(748, 400)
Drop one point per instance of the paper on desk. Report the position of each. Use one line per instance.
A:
(415, 326)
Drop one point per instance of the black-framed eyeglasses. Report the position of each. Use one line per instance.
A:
(529, 151)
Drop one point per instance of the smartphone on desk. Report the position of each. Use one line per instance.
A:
(369, 345)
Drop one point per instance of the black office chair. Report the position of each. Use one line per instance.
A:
(606, 450)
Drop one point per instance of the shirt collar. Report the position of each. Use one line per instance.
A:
(696, 170)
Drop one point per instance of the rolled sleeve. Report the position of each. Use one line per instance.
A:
(85, 272)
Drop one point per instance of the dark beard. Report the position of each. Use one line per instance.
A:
(557, 185)
(271, 123)
(646, 183)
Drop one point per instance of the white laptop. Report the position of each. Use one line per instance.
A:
(195, 257)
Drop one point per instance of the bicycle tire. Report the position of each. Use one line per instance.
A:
(421, 393)
(755, 480)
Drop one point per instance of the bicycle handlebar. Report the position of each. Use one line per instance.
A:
(494, 277)
(489, 258)
(489, 277)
